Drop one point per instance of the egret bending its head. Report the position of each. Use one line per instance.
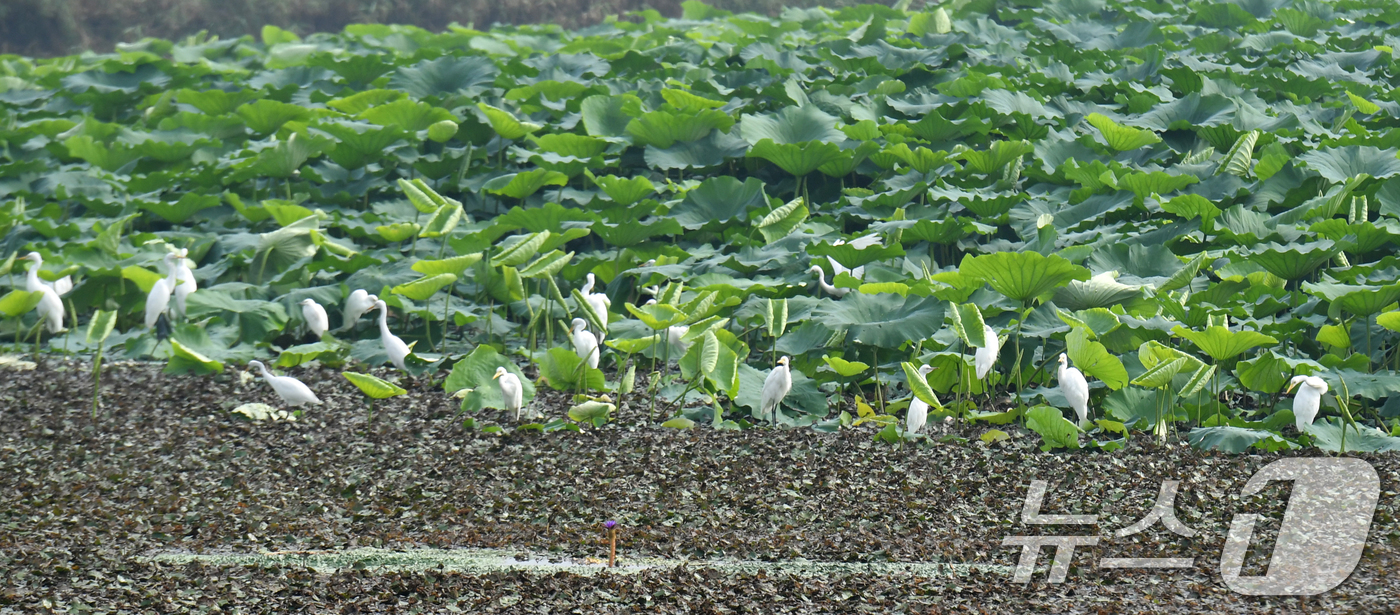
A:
(359, 302)
(158, 300)
(986, 356)
(821, 283)
(918, 408)
(1075, 389)
(775, 388)
(510, 390)
(291, 390)
(585, 344)
(1308, 399)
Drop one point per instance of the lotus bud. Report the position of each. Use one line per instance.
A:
(442, 131)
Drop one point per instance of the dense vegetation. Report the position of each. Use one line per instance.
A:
(1193, 202)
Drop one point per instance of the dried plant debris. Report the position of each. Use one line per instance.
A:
(167, 469)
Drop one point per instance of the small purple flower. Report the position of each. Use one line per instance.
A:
(610, 524)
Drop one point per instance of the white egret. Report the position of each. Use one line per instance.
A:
(587, 288)
(184, 274)
(510, 390)
(359, 302)
(585, 344)
(918, 408)
(986, 356)
(50, 306)
(393, 346)
(158, 300)
(1075, 389)
(1306, 402)
(775, 388)
(316, 320)
(599, 302)
(675, 334)
(821, 282)
(291, 390)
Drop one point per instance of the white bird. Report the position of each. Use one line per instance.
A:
(918, 408)
(598, 301)
(32, 282)
(158, 300)
(359, 302)
(588, 286)
(510, 390)
(393, 346)
(1076, 389)
(184, 274)
(775, 388)
(986, 356)
(291, 390)
(1306, 402)
(675, 334)
(316, 320)
(821, 282)
(585, 344)
(50, 306)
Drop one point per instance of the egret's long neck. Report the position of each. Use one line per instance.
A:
(33, 276)
(384, 321)
(173, 265)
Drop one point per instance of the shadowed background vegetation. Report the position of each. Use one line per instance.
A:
(61, 27)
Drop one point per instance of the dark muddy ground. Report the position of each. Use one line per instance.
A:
(165, 467)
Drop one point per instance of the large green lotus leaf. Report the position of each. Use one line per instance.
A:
(455, 265)
(1055, 431)
(713, 150)
(525, 183)
(851, 257)
(108, 157)
(1375, 386)
(1229, 439)
(1270, 372)
(849, 158)
(791, 125)
(1139, 261)
(563, 370)
(215, 102)
(1327, 435)
(1192, 206)
(445, 75)
(629, 234)
(257, 319)
(1188, 113)
(921, 159)
(283, 248)
(374, 386)
(184, 359)
(995, 158)
(782, 220)
(804, 397)
(505, 123)
(1098, 321)
(1341, 164)
(1119, 137)
(354, 68)
(444, 220)
(284, 157)
(1094, 359)
(540, 219)
(1357, 299)
(358, 143)
(360, 102)
(1293, 261)
(1022, 276)
(16, 303)
(1223, 344)
(608, 116)
(474, 373)
(569, 144)
(1100, 291)
(517, 249)
(662, 129)
(1132, 405)
(797, 159)
(625, 191)
(885, 320)
(425, 287)
(1156, 182)
(719, 199)
(181, 210)
(409, 115)
(658, 316)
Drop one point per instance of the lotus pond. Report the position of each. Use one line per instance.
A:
(1195, 202)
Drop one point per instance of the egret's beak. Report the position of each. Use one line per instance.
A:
(1290, 388)
(498, 375)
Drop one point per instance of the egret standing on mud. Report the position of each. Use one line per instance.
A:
(511, 390)
(316, 320)
(393, 346)
(291, 390)
(775, 388)
(585, 343)
(50, 306)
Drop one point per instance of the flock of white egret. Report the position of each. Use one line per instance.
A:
(179, 283)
